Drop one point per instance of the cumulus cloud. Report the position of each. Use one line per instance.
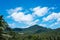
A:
(32, 18)
(17, 15)
(21, 17)
(10, 11)
(34, 22)
(40, 11)
(44, 25)
(52, 16)
(55, 25)
(12, 25)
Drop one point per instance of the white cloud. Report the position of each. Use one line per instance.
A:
(32, 23)
(52, 17)
(55, 25)
(12, 25)
(58, 19)
(21, 17)
(10, 11)
(40, 11)
(31, 18)
(44, 25)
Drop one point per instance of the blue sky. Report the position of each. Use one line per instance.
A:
(25, 13)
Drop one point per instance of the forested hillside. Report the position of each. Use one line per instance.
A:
(34, 32)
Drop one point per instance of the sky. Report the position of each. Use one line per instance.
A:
(25, 13)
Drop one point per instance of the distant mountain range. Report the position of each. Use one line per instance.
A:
(34, 29)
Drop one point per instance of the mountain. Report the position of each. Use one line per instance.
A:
(17, 29)
(36, 29)
(32, 29)
(57, 30)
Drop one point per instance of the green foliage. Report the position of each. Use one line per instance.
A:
(6, 33)
(3, 26)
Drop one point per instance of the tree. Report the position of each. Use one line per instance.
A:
(3, 26)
